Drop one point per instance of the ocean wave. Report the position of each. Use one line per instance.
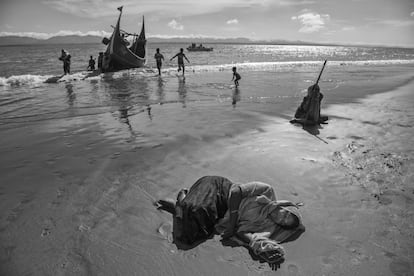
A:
(35, 80)
(23, 80)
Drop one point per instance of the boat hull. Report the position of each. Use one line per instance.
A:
(118, 56)
(119, 62)
(199, 49)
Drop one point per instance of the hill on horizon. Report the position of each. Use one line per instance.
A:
(89, 39)
(76, 39)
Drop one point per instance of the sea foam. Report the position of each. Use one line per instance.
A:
(280, 66)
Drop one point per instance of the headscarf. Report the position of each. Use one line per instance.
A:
(254, 217)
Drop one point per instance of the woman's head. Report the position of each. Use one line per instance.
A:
(284, 217)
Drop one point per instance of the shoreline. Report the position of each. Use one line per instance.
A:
(91, 212)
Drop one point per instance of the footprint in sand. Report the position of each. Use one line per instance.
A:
(356, 249)
(309, 159)
(400, 268)
(17, 211)
(293, 270)
(370, 123)
(115, 155)
(68, 144)
(7, 254)
(384, 200)
(60, 193)
(45, 232)
(329, 262)
(48, 224)
(355, 137)
(165, 229)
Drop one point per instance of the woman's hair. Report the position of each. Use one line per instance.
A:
(292, 212)
(295, 224)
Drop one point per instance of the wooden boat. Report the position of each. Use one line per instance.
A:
(139, 45)
(199, 48)
(118, 56)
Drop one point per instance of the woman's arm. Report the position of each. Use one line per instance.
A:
(285, 203)
(256, 189)
(245, 237)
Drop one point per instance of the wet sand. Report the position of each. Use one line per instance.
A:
(79, 201)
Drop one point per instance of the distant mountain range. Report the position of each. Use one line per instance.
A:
(75, 39)
(69, 39)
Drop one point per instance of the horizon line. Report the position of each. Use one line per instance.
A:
(169, 37)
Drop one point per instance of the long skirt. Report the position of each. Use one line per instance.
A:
(198, 213)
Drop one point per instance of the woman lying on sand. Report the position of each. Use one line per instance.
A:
(248, 213)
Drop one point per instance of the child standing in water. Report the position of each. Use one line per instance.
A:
(236, 77)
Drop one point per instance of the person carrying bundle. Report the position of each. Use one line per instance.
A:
(65, 57)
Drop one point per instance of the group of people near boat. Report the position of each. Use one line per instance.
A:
(65, 57)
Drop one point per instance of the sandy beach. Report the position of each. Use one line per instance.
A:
(77, 196)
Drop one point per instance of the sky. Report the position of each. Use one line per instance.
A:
(374, 22)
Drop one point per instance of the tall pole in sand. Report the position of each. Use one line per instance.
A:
(320, 74)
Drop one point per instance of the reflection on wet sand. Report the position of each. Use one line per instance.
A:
(129, 95)
(160, 91)
(182, 91)
(124, 117)
(236, 96)
(149, 111)
(71, 97)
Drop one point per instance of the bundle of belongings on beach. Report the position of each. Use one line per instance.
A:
(309, 111)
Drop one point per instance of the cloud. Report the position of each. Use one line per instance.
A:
(191, 36)
(294, 2)
(412, 13)
(398, 23)
(311, 22)
(49, 35)
(232, 21)
(175, 25)
(348, 28)
(98, 8)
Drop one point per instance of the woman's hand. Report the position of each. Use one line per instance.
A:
(275, 266)
(228, 233)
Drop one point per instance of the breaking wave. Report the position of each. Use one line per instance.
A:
(38, 80)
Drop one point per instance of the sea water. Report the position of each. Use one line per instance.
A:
(273, 77)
